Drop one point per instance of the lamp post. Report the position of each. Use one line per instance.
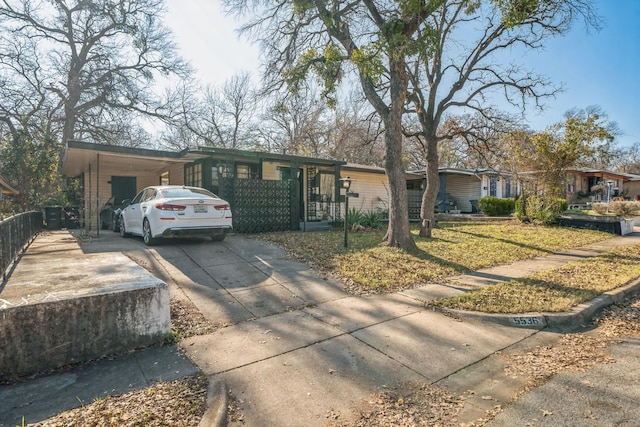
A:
(609, 185)
(346, 184)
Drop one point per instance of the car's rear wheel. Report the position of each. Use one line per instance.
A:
(218, 237)
(123, 231)
(148, 239)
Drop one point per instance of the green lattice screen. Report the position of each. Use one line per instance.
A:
(259, 206)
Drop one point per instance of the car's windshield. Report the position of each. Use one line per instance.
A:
(170, 193)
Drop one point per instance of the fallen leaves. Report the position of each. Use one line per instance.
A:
(405, 405)
(187, 321)
(176, 403)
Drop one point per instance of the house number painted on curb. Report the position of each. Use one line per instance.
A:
(528, 321)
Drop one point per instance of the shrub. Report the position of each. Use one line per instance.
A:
(494, 206)
(599, 208)
(371, 219)
(539, 209)
(626, 209)
(355, 216)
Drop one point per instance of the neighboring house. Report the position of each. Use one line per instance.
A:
(460, 189)
(631, 188)
(595, 185)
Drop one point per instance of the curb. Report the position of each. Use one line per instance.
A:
(217, 402)
(578, 316)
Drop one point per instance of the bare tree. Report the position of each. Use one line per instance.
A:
(472, 142)
(99, 57)
(296, 123)
(357, 133)
(29, 149)
(454, 78)
(213, 116)
(627, 159)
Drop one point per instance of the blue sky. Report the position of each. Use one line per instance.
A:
(596, 68)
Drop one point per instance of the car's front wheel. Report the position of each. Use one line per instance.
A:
(123, 231)
(148, 239)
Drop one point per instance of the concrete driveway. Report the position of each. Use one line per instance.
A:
(291, 345)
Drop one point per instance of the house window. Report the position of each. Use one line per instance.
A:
(507, 187)
(193, 175)
(493, 185)
(327, 186)
(247, 171)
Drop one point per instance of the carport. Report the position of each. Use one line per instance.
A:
(107, 170)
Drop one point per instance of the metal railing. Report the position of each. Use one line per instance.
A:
(15, 233)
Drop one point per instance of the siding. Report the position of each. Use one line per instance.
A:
(373, 190)
(176, 174)
(463, 188)
(271, 171)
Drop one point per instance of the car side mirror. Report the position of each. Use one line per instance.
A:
(126, 202)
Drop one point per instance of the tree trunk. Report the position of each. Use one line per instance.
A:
(398, 232)
(430, 195)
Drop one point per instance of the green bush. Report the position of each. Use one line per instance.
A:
(494, 206)
(371, 219)
(540, 209)
(355, 216)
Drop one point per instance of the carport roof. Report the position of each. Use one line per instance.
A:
(78, 155)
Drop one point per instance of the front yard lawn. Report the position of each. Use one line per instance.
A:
(454, 248)
(556, 289)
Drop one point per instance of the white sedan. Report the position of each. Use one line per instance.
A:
(172, 211)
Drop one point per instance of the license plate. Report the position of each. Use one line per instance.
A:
(200, 209)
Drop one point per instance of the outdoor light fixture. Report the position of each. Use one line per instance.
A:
(346, 182)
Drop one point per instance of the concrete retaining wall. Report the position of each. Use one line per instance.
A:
(611, 224)
(52, 334)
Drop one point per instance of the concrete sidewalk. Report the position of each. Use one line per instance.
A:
(291, 345)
